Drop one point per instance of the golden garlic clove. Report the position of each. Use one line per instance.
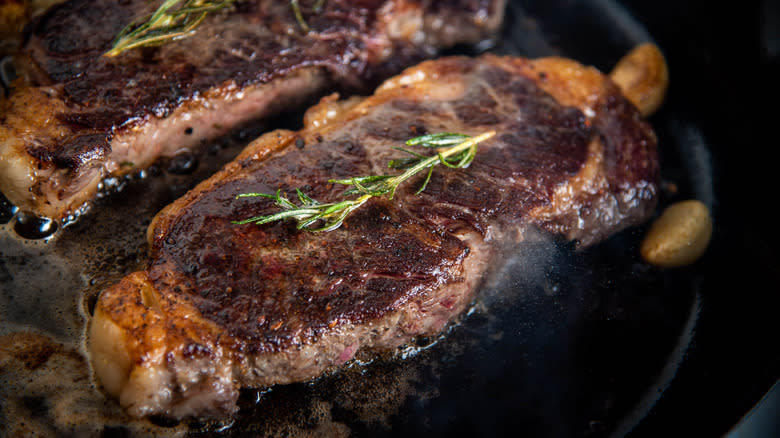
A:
(679, 236)
(643, 77)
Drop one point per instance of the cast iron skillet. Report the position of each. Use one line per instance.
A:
(562, 342)
(724, 59)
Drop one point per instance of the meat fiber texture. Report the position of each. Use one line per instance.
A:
(221, 305)
(75, 117)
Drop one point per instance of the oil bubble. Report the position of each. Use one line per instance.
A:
(32, 227)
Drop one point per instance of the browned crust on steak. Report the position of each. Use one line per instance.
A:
(94, 116)
(259, 305)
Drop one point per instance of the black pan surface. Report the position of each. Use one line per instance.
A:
(562, 342)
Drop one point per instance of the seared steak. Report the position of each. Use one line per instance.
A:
(75, 117)
(223, 305)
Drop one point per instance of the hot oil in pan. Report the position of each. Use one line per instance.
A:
(560, 342)
(49, 283)
(45, 382)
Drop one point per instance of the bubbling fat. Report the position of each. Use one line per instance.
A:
(45, 377)
(46, 392)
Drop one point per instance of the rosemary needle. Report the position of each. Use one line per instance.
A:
(452, 150)
(176, 19)
(299, 15)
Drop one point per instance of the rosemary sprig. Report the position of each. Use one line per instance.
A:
(176, 19)
(456, 151)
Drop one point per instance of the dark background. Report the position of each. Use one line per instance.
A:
(724, 57)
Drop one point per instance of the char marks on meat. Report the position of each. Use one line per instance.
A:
(76, 117)
(223, 305)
